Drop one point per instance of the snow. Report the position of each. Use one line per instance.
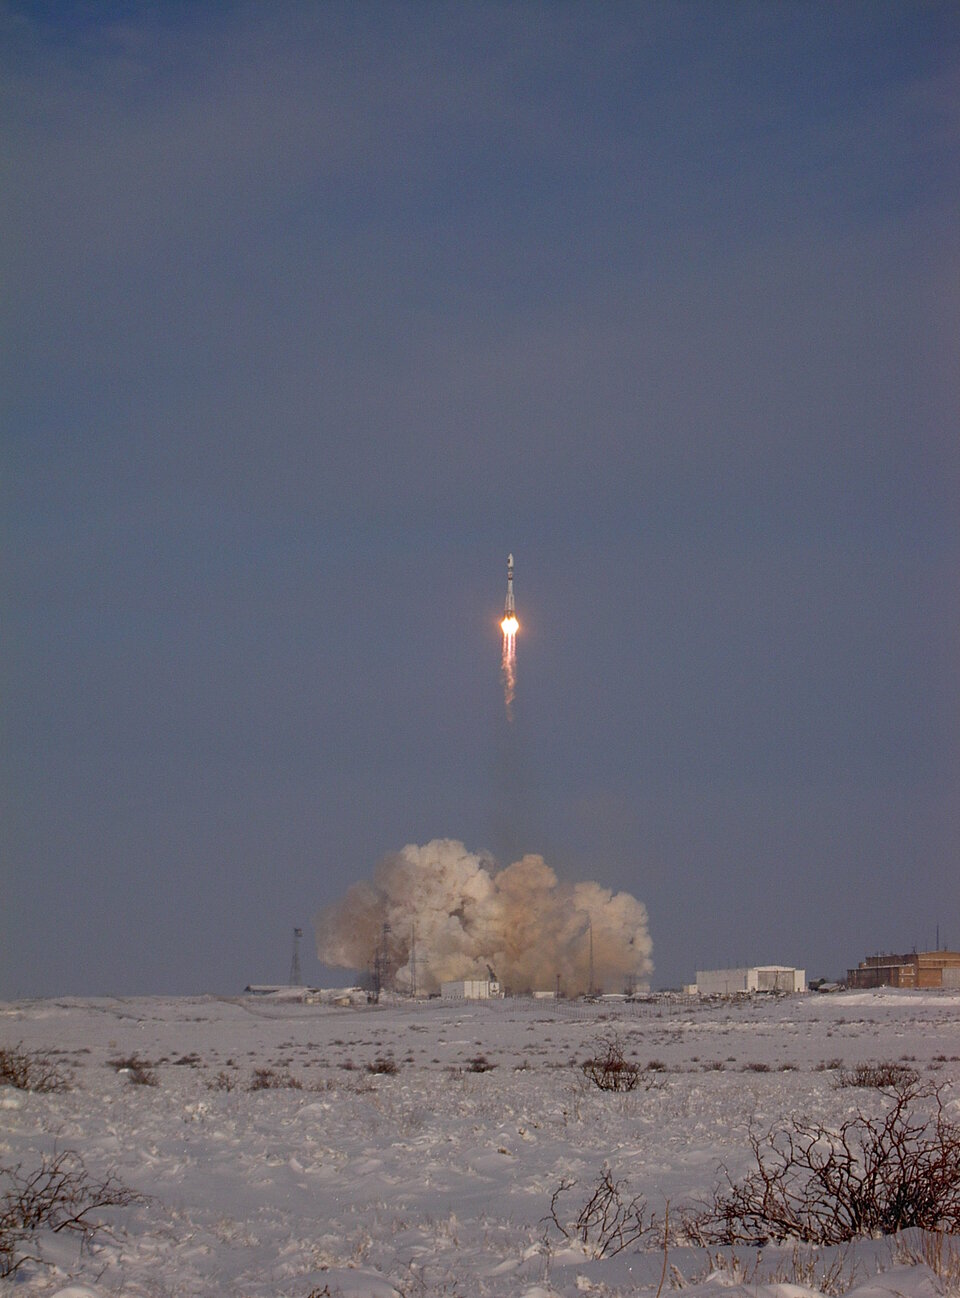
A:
(436, 1179)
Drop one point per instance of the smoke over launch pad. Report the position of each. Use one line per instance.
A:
(438, 912)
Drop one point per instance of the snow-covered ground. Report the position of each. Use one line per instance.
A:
(436, 1179)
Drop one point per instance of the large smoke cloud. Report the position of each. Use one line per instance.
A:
(460, 914)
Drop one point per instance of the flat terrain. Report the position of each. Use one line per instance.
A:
(276, 1162)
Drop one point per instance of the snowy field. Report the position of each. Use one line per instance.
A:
(436, 1179)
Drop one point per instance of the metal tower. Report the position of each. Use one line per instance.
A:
(295, 977)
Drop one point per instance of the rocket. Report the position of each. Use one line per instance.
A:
(508, 608)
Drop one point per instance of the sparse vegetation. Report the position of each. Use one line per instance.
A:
(140, 1072)
(479, 1064)
(872, 1176)
(881, 1075)
(935, 1249)
(59, 1195)
(268, 1079)
(383, 1064)
(608, 1222)
(829, 1275)
(609, 1069)
(31, 1070)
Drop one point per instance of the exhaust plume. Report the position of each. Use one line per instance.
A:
(439, 912)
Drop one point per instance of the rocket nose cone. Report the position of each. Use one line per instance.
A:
(509, 560)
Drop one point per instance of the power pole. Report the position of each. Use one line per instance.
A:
(295, 978)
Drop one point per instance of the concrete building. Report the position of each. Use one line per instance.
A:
(756, 978)
(470, 989)
(929, 969)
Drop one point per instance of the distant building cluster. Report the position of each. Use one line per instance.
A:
(919, 969)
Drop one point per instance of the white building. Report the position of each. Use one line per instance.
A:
(758, 978)
(470, 989)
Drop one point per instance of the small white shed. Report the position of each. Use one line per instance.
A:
(469, 989)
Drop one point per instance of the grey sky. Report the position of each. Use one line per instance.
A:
(311, 313)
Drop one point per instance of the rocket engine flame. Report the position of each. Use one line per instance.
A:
(439, 912)
(508, 659)
(508, 662)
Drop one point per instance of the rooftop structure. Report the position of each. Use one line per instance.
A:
(917, 969)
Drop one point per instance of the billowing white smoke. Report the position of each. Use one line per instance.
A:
(451, 914)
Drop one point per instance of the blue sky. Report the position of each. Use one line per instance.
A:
(311, 313)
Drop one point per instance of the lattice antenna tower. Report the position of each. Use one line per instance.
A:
(296, 979)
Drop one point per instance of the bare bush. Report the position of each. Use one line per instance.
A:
(609, 1069)
(871, 1176)
(57, 1196)
(608, 1222)
(140, 1072)
(268, 1079)
(31, 1070)
(383, 1064)
(881, 1076)
(479, 1064)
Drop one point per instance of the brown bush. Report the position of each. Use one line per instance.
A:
(268, 1079)
(59, 1195)
(880, 1076)
(479, 1064)
(31, 1070)
(609, 1069)
(383, 1064)
(139, 1072)
(608, 1222)
(871, 1176)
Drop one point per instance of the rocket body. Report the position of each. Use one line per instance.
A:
(509, 609)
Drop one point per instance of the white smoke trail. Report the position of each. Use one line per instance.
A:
(464, 915)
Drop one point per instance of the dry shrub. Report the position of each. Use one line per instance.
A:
(880, 1076)
(608, 1222)
(268, 1079)
(479, 1064)
(609, 1069)
(57, 1196)
(140, 1072)
(383, 1064)
(871, 1176)
(31, 1070)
